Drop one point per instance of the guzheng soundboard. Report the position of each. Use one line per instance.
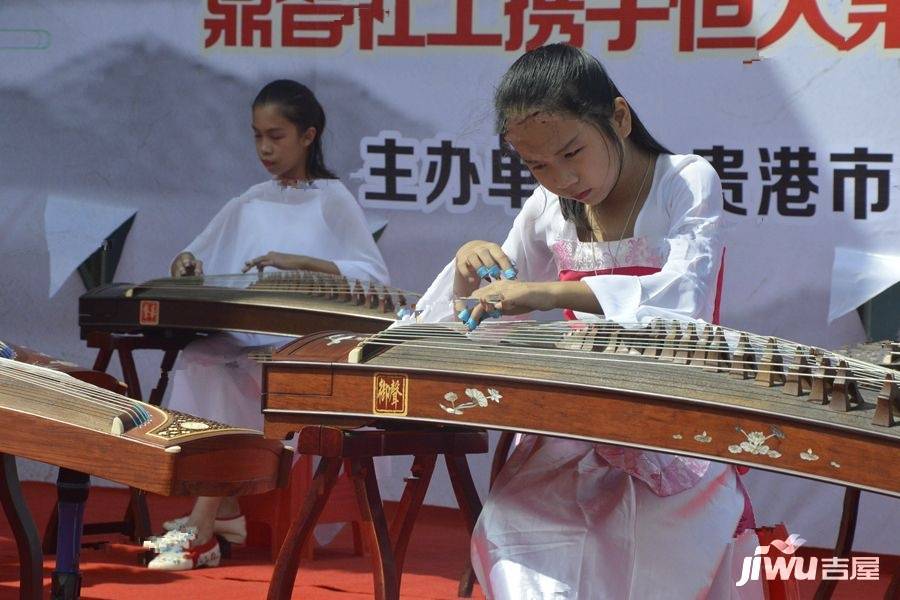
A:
(678, 387)
(50, 416)
(277, 302)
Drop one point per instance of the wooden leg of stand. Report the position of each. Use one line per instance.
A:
(385, 569)
(137, 517)
(285, 572)
(893, 590)
(168, 361)
(129, 373)
(101, 363)
(359, 538)
(359, 544)
(31, 562)
(410, 503)
(469, 506)
(844, 541)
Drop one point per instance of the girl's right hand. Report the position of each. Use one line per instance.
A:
(475, 261)
(186, 265)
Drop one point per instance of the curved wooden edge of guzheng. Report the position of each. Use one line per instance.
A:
(345, 379)
(170, 454)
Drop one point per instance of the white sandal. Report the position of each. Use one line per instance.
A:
(233, 529)
(175, 552)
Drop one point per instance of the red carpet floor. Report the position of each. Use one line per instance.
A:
(435, 559)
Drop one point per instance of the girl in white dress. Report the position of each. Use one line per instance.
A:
(618, 226)
(302, 218)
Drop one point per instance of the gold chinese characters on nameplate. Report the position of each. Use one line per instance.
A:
(390, 394)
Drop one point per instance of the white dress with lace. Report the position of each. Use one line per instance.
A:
(571, 519)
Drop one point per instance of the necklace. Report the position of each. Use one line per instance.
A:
(300, 184)
(594, 239)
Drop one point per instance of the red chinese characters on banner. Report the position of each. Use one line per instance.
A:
(703, 25)
(809, 11)
(224, 18)
(401, 35)
(628, 14)
(548, 16)
(303, 23)
(869, 20)
(715, 15)
(222, 22)
(314, 25)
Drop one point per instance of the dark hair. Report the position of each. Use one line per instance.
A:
(563, 79)
(299, 105)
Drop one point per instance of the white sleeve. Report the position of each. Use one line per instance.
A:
(212, 235)
(360, 257)
(526, 247)
(687, 284)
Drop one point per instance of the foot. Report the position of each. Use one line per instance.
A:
(175, 553)
(233, 529)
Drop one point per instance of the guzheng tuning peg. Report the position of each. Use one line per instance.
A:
(385, 301)
(359, 294)
(844, 391)
(822, 379)
(704, 340)
(798, 381)
(654, 338)
(743, 362)
(717, 355)
(670, 341)
(887, 404)
(611, 338)
(343, 290)
(687, 343)
(892, 355)
(771, 365)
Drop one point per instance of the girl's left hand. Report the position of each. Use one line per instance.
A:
(509, 297)
(277, 260)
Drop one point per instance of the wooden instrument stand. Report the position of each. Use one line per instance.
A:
(355, 450)
(31, 562)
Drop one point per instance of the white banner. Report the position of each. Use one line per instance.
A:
(146, 104)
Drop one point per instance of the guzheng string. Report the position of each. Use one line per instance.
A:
(605, 333)
(627, 338)
(94, 400)
(598, 334)
(584, 356)
(281, 281)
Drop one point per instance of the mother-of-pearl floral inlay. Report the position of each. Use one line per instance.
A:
(477, 399)
(756, 443)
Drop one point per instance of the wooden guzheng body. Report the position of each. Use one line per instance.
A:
(49, 416)
(676, 387)
(278, 302)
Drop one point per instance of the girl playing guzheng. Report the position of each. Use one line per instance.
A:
(618, 226)
(301, 218)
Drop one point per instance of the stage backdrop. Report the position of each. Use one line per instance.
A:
(116, 108)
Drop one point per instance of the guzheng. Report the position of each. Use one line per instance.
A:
(278, 302)
(49, 416)
(676, 387)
